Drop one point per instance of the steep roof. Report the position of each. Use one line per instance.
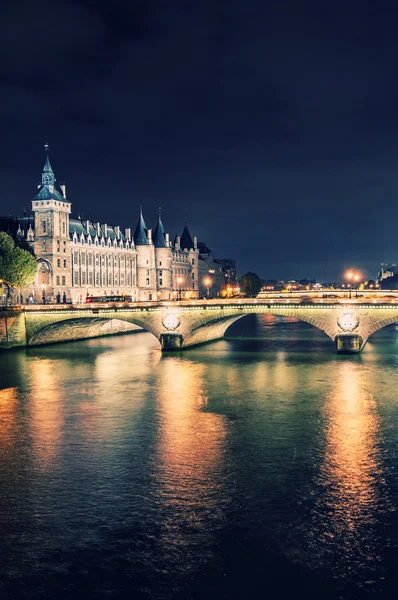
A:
(158, 235)
(140, 237)
(186, 242)
(44, 193)
(47, 165)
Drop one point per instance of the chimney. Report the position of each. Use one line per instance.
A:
(87, 226)
(117, 231)
(149, 235)
(63, 189)
(178, 242)
(98, 229)
(167, 239)
(105, 230)
(195, 242)
(127, 233)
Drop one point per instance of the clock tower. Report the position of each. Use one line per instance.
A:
(51, 246)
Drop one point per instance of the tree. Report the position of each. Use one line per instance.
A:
(17, 267)
(389, 283)
(250, 284)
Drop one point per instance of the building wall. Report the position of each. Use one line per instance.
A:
(77, 259)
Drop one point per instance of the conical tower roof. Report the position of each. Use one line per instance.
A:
(140, 237)
(47, 165)
(186, 242)
(158, 234)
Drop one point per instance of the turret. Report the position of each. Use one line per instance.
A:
(163, 259)
(146, 275)
(51, 232)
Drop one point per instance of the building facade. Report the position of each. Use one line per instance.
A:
(80, 258)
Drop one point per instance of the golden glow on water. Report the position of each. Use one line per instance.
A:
(350, 478)
(190, 449)
(352, 462)
(8, 418)
(45, 403)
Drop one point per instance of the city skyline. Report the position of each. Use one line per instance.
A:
(271, 128)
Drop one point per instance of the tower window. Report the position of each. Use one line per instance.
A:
(44, 226)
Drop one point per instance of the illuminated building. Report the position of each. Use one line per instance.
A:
(77, 258)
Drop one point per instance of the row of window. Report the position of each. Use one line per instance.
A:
(117, 261)
(47, 203)
(45, 230)
(109, 244)
(100, 279)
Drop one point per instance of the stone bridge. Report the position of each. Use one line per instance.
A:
(180, 325)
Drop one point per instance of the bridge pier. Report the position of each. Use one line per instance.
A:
(348, 344)
(171, 341)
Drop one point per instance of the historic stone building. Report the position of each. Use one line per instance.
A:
(79, 258)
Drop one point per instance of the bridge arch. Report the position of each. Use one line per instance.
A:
(375, 326)
(212, 324)
(71, 329)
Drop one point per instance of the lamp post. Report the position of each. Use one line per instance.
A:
(353, 276)
(179, 281)
(207, 283)
(43, 293)
(2, 282)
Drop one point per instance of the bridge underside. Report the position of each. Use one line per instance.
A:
(80, 329)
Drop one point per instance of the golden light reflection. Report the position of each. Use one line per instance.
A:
(8, 418)
(46, 411)
(351, 470)
(191, 444)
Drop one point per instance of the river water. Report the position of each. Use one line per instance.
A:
(262, 465)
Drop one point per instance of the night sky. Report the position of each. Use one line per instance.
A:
(272, 127)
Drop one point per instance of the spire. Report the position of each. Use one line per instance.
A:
(158, 234)
(47, 177)
(186, 242)
(140, 237)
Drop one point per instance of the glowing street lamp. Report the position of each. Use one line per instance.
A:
(354, 277)
(179, 281)
(207, 283)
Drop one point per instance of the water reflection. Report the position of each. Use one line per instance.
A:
(189, 467)
(350, 482)
(46, 412)
(8, 419)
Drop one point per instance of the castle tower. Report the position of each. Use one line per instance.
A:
(51, 244)
(146, 273)
(190, 247)
(163, 260)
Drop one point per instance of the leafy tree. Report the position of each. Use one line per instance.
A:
(389, 283)
(17, 267)
(250, 284)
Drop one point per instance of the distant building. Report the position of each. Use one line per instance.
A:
(386, 270)
(77, 258)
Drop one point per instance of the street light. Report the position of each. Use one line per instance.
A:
(207, 283)
(179, 281)
(353, 276)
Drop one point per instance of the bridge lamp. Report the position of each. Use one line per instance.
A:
(207, 283)
(179, 281)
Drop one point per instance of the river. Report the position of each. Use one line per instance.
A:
(261, 465)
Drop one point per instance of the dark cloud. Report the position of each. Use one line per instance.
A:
(274, 124)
